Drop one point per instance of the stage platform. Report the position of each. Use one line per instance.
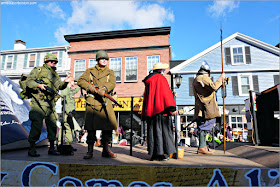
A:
(242, 164)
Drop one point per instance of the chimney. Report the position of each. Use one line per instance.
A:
(19, 44)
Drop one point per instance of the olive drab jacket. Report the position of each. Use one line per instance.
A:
(69, 97)
(204, 92)
(100, 114)
(50, 77)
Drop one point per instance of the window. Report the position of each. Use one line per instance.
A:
(80, 67)
(54, 53)
(131, 66)
(57, 56)
(92, 63)
(9, 62)
(32, 58)
(238, 124)
(245, 83)
(116, 66)
(151, 60)
(238, 55)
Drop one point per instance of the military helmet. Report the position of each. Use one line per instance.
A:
(102, 54)
(50, 57)
(205, 67)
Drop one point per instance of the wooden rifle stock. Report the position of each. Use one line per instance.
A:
(109, 97)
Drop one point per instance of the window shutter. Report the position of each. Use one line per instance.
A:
(234, 85)
(15, 62)
(276, 79)
(228, 57)
(256, 83)
(25, 60)
(190, 86)
(248, 55)
(38, 60)
(59, 64)
(3, 62)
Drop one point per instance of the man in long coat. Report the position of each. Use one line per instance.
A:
(158, 107)
(99, 110)
(206, 107)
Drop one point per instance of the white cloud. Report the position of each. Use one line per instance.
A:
(276, 18)
(95, 16)
(53, 10)
(173, 55)
(222, 7)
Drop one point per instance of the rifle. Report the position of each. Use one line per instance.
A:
(47, 87)
(108, 96)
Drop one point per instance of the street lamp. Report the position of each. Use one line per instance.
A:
(178, 80)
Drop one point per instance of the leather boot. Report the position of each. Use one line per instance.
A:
(52, 150)
(90, 152)
(208, 149)
(203, 151)
(107, 152)
(32, 151)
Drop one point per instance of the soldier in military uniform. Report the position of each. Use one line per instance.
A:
(43, 102)
(99, 110)
(69, 93)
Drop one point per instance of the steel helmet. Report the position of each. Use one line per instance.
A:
(50, 57)
(102, 54)
(205, 67)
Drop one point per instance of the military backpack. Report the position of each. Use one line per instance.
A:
(26, 92)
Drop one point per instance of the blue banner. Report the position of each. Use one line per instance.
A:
(15, 123)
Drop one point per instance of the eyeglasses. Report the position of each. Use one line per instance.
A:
(54, 62)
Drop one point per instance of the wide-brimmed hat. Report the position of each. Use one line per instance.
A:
(160, 66)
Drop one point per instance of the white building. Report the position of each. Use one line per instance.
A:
(21, 60)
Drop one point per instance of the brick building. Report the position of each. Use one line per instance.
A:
(132, 55)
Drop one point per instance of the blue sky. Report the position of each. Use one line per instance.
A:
(195, 25)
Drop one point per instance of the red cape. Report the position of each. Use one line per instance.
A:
(157, 96)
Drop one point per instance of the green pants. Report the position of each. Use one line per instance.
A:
(68, 132)
(37, 114)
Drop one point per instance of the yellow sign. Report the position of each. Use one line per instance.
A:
(80, 104)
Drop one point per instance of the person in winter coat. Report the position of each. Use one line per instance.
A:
(158, 107)
(99, 109)
(206, 107)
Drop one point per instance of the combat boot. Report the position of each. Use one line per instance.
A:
(52, 150)
(210, 150)
(107, 152)
(203, 151)
(90, 152)
(32, 151)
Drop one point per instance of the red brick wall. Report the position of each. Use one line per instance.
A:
(120, 43)
(125, 89)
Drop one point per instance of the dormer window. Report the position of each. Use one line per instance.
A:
(238, 55)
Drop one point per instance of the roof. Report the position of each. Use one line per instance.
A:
(118, 34)
(174, 63)
(236, 35)
(39, 49)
